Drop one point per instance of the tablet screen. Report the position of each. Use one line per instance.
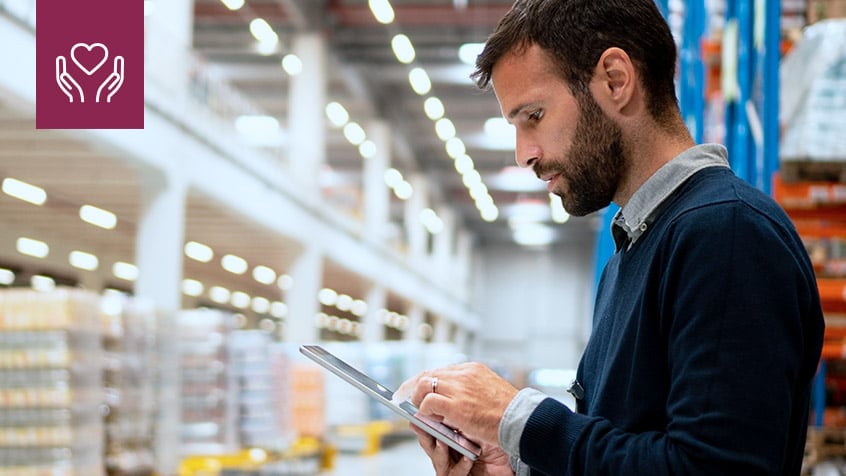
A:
(381, 393)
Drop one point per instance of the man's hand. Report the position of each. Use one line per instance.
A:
(469, 397)
(492, 462)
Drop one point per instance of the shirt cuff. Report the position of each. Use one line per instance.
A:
(514, 420)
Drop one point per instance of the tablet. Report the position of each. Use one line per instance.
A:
(383, 395)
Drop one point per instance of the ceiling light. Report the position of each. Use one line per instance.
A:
(7, 277)
(392, 177)
(261, 305)
(292, 64)
(262, 31)
(126, 271)
(382, 10)
(445, 129)
(345, 302)
(420, 82)
(471, 178)
(354, 133)
(219, 294)
(327, 297)
(198, 252)
(403, 49)
(500, 134)
(34, 248)
(490, 214)
(559, 214)
(234, 264)
(192, 287)
(98, 217)
(527, 211)
(455, 148)
(337, 115)
(431, 221)
(464, 164)
(359, 308)
(367, 149)
(278, 309)
(478, 190)
(233, 4)
(42, 283)
(468, 52)
(403, 190)
(83, 260)
(534, 234)
(260, 130)
(264, 275)
(434, 108)
(24, 191)
(240, 299)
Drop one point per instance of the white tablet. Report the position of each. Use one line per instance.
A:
(406, 409)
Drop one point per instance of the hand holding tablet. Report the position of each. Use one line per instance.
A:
(385, 396)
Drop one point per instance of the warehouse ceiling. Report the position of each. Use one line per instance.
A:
(371, 83)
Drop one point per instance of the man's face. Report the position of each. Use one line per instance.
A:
(569, 142)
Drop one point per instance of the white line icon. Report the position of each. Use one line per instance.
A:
(89, 58)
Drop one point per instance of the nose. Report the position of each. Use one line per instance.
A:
(526, 154)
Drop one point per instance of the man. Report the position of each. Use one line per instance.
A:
(707, 323)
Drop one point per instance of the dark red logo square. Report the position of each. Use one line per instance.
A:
(89, 64)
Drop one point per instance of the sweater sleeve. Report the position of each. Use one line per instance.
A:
(734, 305)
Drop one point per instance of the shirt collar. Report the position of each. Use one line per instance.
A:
(632, 221)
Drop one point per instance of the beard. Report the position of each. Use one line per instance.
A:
(591, 171)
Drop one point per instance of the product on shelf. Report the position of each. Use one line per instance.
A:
(51, 390)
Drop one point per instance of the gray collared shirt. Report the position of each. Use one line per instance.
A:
(629, 224)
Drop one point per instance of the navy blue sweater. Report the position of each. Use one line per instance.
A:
(707, 334)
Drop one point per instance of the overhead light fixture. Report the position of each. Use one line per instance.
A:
(42, 283)
(367, 149)
(233, 4)
(354, 133)
(126, 271)
(219, 294)
(403, 49)
(403, 190)
(198, 251)
(260, 130)
(471, 178)
(278, 309)
(192, 287)
(489, 213)
(292, 64)
(445, 129)
(419, 80)
(234, 264)
(392, 177)
(534, 234)
(7, 277)
(240, 299)
(98, 217)
(327, 297)
(434, 108)
(431, 221)
(260, 305)
(83, 260)
(32, 247)
(468, 52)
(382, 11)
(264, 275)
(464, 164)
(24, 191)
(262, 31)
(345, 302)
(337, 114)
(358, 308)
(455, 148)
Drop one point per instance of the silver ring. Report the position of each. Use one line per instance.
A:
(434, 384)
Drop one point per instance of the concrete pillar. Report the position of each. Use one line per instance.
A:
(168, 39)
(443, 247)
(158, 256)
(377, 196)
(374, 328)
(307, 101)
(416, 316)
(463, 263)
(415, 231)
(307, 275)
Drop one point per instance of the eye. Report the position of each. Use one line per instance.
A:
(535, 116)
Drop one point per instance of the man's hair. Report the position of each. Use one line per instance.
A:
(575, 33)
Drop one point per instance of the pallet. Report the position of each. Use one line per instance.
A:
(813, 171)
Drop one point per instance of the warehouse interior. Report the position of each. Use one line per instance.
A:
(325, 171)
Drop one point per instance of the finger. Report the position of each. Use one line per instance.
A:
(426, 441)
(406, 389)
(462, 467)
(442, 460)
(424, 387)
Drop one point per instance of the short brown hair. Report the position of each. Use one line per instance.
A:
(575, 33)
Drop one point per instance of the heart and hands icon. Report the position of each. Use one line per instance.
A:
(89, 58)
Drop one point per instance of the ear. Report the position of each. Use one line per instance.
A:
(614, 80)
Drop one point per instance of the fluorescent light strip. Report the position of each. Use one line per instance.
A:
(126, 271)
(24, 191)
(31, 247)
(382, 11)
(83, 260)
(98, 217)
(7, 277)
(192, 287)
(198, 251)
(234, 264)
(264, 275)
